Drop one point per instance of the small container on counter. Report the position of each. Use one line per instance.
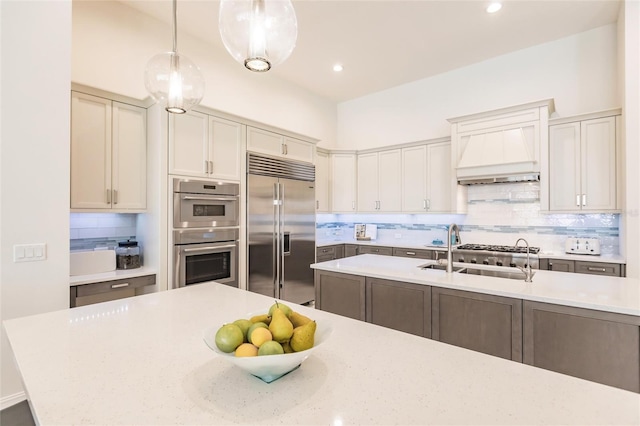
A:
(127, 255)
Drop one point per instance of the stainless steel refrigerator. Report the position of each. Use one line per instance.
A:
(281, 228)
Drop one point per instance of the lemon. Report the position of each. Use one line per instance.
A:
(270, 348)
(246, 349)
(260, 336)
(229, 337)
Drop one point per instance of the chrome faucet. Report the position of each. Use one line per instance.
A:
(528, 272)
(452, 228)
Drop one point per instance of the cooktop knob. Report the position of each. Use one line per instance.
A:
(473, 261)
(499, 263)
(486, 262)
(513, 265)
(461, 260)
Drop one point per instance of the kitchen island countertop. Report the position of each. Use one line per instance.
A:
(142, 361)
(610, 294)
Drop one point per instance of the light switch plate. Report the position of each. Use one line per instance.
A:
(29, 252)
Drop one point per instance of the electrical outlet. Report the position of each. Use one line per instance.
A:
(29, 252)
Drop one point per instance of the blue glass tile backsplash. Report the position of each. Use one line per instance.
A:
(496, 214)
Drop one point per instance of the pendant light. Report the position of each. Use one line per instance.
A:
(174, 80)
(258, 33)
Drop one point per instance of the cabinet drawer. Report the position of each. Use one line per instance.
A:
(419, 254)
(386, 251)
(106, 286)
(598, 268)
(326, 251)
(325, 257)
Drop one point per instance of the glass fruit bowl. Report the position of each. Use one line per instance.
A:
(269, 367)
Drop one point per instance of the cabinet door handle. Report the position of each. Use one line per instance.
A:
(584, 199)
(577, 200)
(206, 166)
(353, 205)
(211, 163)
(282, 149)
(120, 285)
(428, 204)
(108, 196)
(115, 196)
(286, 149)
(594, 269)
(317, 205)
(424, 204)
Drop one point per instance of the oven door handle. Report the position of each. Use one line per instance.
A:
(209, 198)
(209, 248)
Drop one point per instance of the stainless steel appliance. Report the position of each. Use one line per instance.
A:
(280, 228)
(201, 204)
(507, 256)
(202, 255)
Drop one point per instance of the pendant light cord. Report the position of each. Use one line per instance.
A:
(175, 27)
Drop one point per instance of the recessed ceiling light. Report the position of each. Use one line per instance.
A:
(337, 67)
(494, 7)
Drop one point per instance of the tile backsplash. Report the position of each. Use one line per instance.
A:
(496, 214)
(100, 230)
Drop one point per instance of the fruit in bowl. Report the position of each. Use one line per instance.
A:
(270, 344)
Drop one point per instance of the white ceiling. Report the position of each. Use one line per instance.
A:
(383, 44)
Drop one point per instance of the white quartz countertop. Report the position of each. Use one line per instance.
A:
(142, 361)
(119, 274)
(605, 258)
(611, 294)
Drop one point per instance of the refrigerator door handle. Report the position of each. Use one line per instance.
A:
(286, 244)
(276, 239)
(284, 240)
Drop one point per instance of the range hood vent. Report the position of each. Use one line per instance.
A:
(502, 145)
(500, 179)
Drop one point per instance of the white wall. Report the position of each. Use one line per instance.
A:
(112, 44)
(579, 72)
(34, 172)
(631, 114)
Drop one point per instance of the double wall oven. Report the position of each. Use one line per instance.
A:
(205, 232)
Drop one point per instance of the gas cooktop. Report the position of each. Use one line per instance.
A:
(498, 249)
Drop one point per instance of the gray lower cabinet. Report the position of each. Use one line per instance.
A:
(603, 347)
(385, 251)
(351, 250)
(326, 253)
(82, 294)
(418, 254)
(583, 267)
(481, 322)
(400, 306)
(341, 294)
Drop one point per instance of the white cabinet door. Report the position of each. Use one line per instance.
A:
(389, 181)
(439, 177)
(295, 149)
(225, 149)
(414, 179)
(598, 172)
(265, 142)
(322, 182)
(582, 165)
(129, 176)
(90, 152)
(188, 144)
(368, 182)
(564, 167)
(343, 183)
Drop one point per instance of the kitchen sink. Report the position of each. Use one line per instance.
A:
(443, 267)
(509, 273)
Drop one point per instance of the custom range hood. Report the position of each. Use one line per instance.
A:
(500, 146)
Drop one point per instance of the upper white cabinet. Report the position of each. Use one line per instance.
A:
(265, 142)
(379, 181)
(426, 178)
(583, 165)
(201, 145)
(342, 182)
(322, 181)
(108, 154)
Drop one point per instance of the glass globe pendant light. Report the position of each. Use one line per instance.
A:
(174, 80)
(258, 33)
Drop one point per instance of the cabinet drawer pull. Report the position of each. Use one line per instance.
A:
(411, 253)
(325, 250)
(120, 285)
(594, 269)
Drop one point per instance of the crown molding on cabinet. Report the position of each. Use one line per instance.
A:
(586, 116)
